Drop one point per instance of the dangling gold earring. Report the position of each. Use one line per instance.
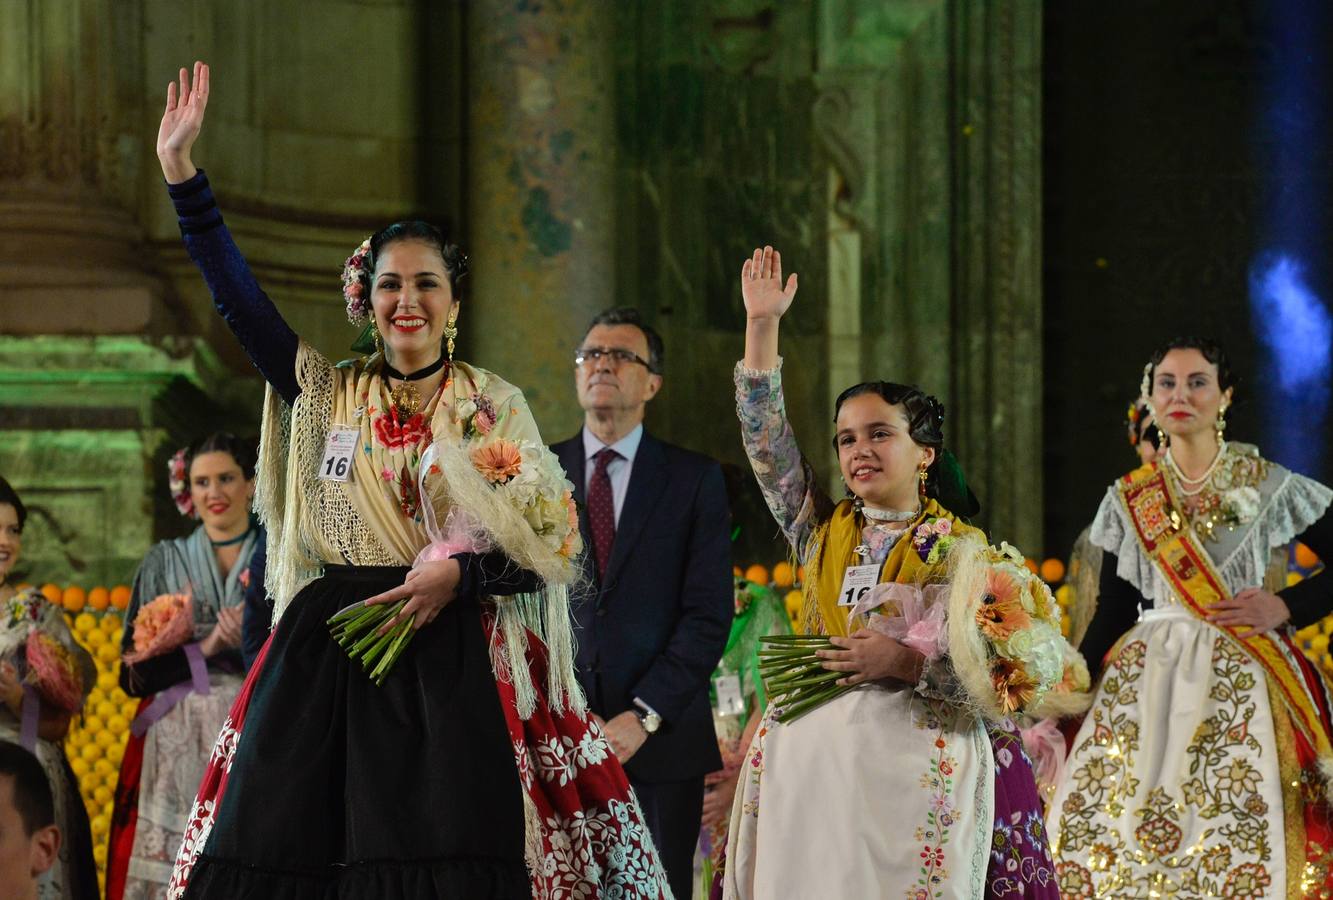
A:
(450, 333)
(1221, 423)
(375, 336)
(921, 481)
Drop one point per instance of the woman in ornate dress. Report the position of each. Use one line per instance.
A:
(473, 770)
(892, 789)
(1201, 768)
(187, 690)
(35, 721)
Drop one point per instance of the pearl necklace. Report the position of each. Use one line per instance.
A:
(1202, 480)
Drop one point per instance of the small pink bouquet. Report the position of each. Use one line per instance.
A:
(161, 626)
(53, 671)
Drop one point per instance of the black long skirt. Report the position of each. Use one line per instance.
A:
(341, 789)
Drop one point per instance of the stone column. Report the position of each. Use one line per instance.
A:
(996, 121)
(540, 193)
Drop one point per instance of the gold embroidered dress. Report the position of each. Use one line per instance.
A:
(1196, 771)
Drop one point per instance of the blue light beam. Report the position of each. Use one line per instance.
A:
(1297, 333)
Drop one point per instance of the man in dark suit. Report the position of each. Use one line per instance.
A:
(653, 621)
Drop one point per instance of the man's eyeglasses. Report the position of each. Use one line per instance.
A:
(617, 356)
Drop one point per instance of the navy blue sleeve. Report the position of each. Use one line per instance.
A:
(707, 604)
(484, 574)
(267, 339)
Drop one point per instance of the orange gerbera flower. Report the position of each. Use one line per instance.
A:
(498, 462)
(1014, 687)
(1001, 612)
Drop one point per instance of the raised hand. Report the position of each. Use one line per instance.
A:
(181, 122)
(766, 299)
(761, 285)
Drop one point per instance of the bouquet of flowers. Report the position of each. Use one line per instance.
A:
(54, 672)
(536, 499)
(49, 665)
(160, 626)
(995, 620)
(1004, 631)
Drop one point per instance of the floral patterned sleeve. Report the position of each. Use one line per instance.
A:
(790, 486)
(938, 682)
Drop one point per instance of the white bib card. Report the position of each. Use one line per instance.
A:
(730, 702)
(338, 449)
(856, 582)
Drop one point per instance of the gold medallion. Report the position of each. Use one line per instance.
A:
(406, 399)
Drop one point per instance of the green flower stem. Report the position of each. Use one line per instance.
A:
(349, 628)
(811, 702)
(402, 634)
(370, 640)
(825, 678)
(371, 655)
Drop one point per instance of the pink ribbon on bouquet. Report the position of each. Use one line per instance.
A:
(1045, 745)
(919, 622)
(447, 538)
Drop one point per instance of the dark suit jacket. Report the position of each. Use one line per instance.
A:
(657, 626)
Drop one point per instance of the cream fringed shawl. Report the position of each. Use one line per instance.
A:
(377, 519)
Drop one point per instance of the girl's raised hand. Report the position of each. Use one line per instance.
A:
(766, 297)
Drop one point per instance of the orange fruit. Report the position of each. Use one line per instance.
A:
(99, 598)
(1052, 570)
(1305, 557)
(51, 592)
(737, 572)
(120, 596)
(800, 574)
(783, 576)
(757, 573)
(1032, 566)
(74, 597)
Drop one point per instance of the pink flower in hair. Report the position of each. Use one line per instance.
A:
(178, 481)
(355, 274)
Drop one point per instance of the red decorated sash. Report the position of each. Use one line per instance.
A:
(1165, 536)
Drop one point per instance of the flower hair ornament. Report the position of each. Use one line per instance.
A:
(178, 481)
(356, 278)
(1145, 397)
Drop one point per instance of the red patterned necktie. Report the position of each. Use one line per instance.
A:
(602, 509)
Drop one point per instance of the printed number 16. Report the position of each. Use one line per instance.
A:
(854, 595)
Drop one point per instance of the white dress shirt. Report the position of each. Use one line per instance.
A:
(618, 470)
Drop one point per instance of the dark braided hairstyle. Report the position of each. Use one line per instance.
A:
(1211, 350)
(925, 426)
(455, 260)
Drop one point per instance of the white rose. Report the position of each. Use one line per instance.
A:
(1243, 503)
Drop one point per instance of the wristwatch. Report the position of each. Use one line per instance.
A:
(648, 716)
